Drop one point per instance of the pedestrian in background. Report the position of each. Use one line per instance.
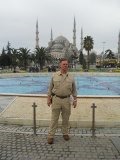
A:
(61, 87)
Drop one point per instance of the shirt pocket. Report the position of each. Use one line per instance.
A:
(56, 84)
(69, 84)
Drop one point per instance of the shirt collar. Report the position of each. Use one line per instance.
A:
(59, 73)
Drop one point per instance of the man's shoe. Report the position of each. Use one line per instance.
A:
(50, 140)
(66, 137)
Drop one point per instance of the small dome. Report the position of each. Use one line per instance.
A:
(58, 46)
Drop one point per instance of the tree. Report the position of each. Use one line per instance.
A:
(84, 64)
(8, 52)
(110, 54)
(92, 58)
(81, 58)
(4, 59)
(40, 56)
(110, 59)
(24, 56)
(32, 58)
(88, 45)
(8, 48)
(49, 58)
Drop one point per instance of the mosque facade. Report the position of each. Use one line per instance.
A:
(61, 47)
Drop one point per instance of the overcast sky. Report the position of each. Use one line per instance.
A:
(99, 19)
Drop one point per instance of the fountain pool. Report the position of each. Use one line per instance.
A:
(86, 84)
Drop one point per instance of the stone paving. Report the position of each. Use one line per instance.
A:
(5, 101)
(19, 143)
(72, 131)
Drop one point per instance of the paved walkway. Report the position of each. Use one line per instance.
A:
(4, 101)
(19, 143)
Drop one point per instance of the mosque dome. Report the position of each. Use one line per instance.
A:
(59, 44)
(61, 39)
(60, 47)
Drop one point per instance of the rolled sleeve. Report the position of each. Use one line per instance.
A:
(74, 90)
(50, 88)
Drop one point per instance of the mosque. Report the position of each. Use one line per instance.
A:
(60, 46)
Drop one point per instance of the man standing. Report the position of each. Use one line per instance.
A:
(62, 86)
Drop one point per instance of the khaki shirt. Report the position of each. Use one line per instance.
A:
(62, 85)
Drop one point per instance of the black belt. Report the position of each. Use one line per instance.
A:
(62, 97)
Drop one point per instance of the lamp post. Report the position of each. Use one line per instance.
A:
(102, 54)
(103, 46)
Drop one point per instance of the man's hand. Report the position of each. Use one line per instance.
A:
(49, 101)
(75, 103)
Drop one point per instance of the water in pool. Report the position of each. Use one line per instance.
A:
(86, 85)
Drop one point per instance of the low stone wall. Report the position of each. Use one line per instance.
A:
(20, 111)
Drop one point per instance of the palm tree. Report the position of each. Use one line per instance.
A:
(24, 56)
(40, 56)
(32, 58)
(49, 58)
(88, 45)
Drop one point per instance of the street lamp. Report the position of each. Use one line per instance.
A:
(103, 46)
(102, 54)
(103, 49)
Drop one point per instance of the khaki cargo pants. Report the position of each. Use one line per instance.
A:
(62, 106)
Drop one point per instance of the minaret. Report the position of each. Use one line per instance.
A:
(119, 47)
(37, 37)
(81, 40)
(74, 33)
(51, 38)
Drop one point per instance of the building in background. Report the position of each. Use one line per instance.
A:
(61, 47)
